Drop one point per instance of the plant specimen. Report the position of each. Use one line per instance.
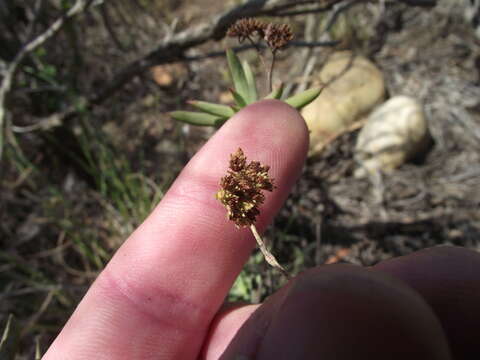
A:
(244, 91)
(241, 194)
(241, 189)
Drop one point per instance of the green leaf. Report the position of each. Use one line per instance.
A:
(236, 108)
(9, 340)
(252, 86)
(198, 118)
(214, 109)
(276, 92)
(298, 101)
(238, 75)
(239, 100)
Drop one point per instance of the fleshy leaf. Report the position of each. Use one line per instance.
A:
(252, 86)
(239, 100)
(236, 108)
(198, 118)
(298, 101)
(276, 92)
(238, 75)
(214, 109)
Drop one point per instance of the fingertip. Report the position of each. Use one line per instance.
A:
(343, 312)
(224, 327)
(277, 116)
(447, 278)
(269, 131)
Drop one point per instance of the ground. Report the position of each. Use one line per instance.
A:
(65, 206)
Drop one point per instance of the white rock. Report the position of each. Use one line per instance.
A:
(394, 133)
(355, 87)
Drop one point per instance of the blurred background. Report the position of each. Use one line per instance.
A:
(88, 148)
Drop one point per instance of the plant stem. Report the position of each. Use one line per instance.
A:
(267, 254)
(264, 64)
(270, 73)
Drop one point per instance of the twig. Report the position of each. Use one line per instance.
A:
(267, 254)
(36, 11)
(108, 25)
(9, 73)
(173, 47)
(303, 67)
(280, 10)
(35, 317)
(237, 49)
(351, 128)
(56, 119)
(259, 48)
(270, 71)
(337, 10)
(317, 9)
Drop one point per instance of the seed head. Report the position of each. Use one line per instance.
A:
(246, 27)
(241, 189)
(277, 36)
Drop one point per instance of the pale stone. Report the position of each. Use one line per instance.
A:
(394, 133)
(354, 87)
(167, 75)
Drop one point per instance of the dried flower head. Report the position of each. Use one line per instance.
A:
(247, 27)
(277, 36)
(241, 189)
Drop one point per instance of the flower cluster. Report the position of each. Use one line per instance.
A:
(276, 36)
(244, 28)
(241, 189)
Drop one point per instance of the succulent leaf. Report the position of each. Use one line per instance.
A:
(198, 118)
(239, 99)
(276, 93)
(238, 75)
(298, 101)
(252, 86)
(214, 109)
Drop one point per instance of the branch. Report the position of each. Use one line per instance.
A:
(421, 3)
(174, 48)
(241, 48)
(11, 68)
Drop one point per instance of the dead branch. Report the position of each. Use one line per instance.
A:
(11, 68)
(174, 47)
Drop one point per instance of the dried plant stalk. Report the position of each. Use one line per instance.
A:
(276, 36)
(266, 253)
(241, 194)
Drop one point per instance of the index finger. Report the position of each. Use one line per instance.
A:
(158, 294)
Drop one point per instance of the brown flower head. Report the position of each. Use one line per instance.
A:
(241, 189)
(245, 28)
(277, 36)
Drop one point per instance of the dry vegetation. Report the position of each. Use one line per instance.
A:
(80, 171)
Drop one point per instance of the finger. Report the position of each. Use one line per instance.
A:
(158, 294)
(223, 328)
(341, 312)
(448, 278)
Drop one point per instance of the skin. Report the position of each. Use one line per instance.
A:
(161, 295)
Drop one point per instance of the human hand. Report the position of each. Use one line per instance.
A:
(161, 295)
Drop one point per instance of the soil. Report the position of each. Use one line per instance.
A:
(432, 56)
(58, 212)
